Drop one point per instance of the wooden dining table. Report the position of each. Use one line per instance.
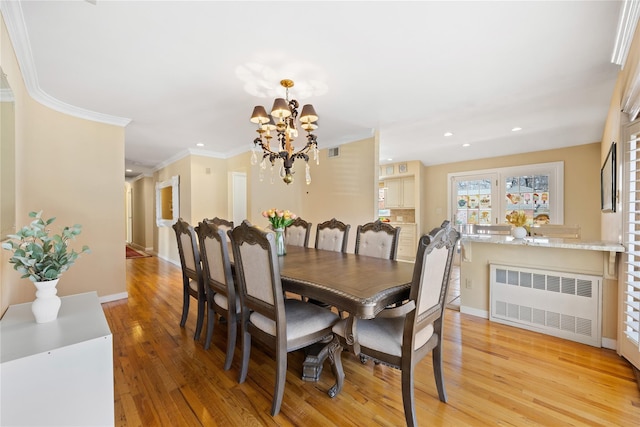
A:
(359, 285)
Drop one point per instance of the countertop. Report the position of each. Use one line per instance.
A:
(546, 242)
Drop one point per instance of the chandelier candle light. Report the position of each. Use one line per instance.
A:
(283, 120)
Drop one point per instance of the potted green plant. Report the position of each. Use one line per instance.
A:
(42, 258)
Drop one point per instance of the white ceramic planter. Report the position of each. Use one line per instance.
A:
(519, 232)
(47, 303)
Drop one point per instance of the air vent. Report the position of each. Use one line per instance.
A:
(334, 152)
(566, 305)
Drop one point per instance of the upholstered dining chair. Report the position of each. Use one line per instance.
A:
(332, 235)
(400, 337)
(377, 239)
(219, 283)
(223, 224)
(282, 324)
(297, 234)
(192, 278)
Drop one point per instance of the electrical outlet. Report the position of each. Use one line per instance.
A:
(468, 283)
(399, 218)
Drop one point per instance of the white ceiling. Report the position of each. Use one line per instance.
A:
(181, 71)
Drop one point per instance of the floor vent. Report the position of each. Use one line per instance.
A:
(565, 305)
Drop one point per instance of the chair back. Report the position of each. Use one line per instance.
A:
(222, 224)
(188, 250)
(257, 271)
(332, 235)
(297, 234)
(377, 239)
(216, 267)
(430, 284)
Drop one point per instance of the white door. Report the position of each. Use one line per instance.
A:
(238, 195)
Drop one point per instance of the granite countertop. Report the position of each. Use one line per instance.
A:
(546, 242)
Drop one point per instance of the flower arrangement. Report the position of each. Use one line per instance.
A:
(39, 256)
(517, 218)
(279, 218)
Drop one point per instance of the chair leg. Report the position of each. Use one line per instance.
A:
(200, 319)
(281, 376)
(438, 373)
(211, 318)
(408, 397)
(232, 327)
(335, 357)
(185, 306)
(246, 352)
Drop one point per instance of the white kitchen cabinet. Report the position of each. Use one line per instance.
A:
(60, 372)
(399, 193)
(407, 242)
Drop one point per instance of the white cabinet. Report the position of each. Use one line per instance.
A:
(60, 372)
(407, 242)
(399, 193)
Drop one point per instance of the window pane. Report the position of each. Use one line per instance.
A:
(530, 194)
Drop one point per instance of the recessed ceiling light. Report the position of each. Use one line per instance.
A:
(516, 129)
(466, 144)
(389, 160)
(448, 134)
(128, 170)
(200, 144)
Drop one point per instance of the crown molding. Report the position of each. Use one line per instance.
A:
(629, 14)
(14, 20)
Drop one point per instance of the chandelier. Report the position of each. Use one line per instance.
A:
(282, 120)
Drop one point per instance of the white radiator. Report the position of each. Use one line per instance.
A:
(565, 305)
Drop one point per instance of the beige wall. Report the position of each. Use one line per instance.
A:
(344, 187)
(581, 184)
(57, 172)
(209, 188)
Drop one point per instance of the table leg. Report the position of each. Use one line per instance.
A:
(335, 357)
(313, 363)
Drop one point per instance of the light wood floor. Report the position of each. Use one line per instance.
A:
(494, 375)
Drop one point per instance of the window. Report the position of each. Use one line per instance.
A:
(631, 298)
(486, 197)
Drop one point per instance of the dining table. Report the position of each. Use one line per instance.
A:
(358, 286)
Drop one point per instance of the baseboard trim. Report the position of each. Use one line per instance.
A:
(177, 263)
(609, 343)
(474, 312)
(113, 297)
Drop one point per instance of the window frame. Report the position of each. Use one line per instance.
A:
(555, 171)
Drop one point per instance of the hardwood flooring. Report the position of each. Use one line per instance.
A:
(494, 374)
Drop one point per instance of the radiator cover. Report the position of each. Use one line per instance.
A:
(562, 304)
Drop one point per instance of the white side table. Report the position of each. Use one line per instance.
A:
(60, 372)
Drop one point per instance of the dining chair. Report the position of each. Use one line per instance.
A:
(223, 224)
(297, 234)
(219, 283)
(282, 324)
(402, 336)
(332, 235)
(377, 239)
(192, 278)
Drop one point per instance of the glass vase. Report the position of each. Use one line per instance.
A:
(281, 249)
